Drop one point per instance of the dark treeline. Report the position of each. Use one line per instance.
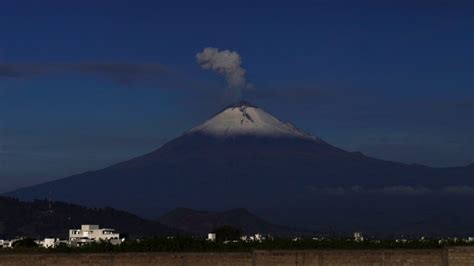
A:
(190, 244)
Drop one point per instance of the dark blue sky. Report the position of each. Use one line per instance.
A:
(393, 80)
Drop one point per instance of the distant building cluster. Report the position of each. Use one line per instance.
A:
(257, 237)
(92, 233)
(88, 233)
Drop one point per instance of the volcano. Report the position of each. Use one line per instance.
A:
(243, 157)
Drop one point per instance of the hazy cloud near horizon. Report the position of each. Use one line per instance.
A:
(122, 73)
(396, 190)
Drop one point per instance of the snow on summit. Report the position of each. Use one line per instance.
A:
(245, 119)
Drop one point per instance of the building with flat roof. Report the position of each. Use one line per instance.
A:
(5, 243)
(92, 233)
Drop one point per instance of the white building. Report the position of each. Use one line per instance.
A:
(258, 237)
(358, 237)
(92, 233)
(5, 243)
(50, 242)
(211, 237)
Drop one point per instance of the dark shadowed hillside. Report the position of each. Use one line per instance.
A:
(202, 222)
(42, 218)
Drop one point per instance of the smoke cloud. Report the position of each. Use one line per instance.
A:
(225, 62)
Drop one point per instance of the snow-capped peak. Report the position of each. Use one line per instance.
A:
(245, 119)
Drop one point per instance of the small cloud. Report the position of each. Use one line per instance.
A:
(404, 190)
(357, 189)
(23, 70)
(459, 190)
(293, 95)
(398, 190)
(124, 73)
(468, 104)
(327, 190)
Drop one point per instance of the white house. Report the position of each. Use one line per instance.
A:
(5, 243)
(358, 237)
(256, 237)
(92, 233)
(211, 237)
(50, 242)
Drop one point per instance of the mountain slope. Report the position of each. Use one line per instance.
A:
(42, 218)
(203, 222)
(244, 157)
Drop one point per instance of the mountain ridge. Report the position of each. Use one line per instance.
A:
(45, 218)
(271, 175)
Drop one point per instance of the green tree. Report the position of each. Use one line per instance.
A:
(25, 243)
(227, 232)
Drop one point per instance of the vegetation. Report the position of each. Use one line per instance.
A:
(190, 244)
(227, 233)
(44, 218)
(25, 243)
